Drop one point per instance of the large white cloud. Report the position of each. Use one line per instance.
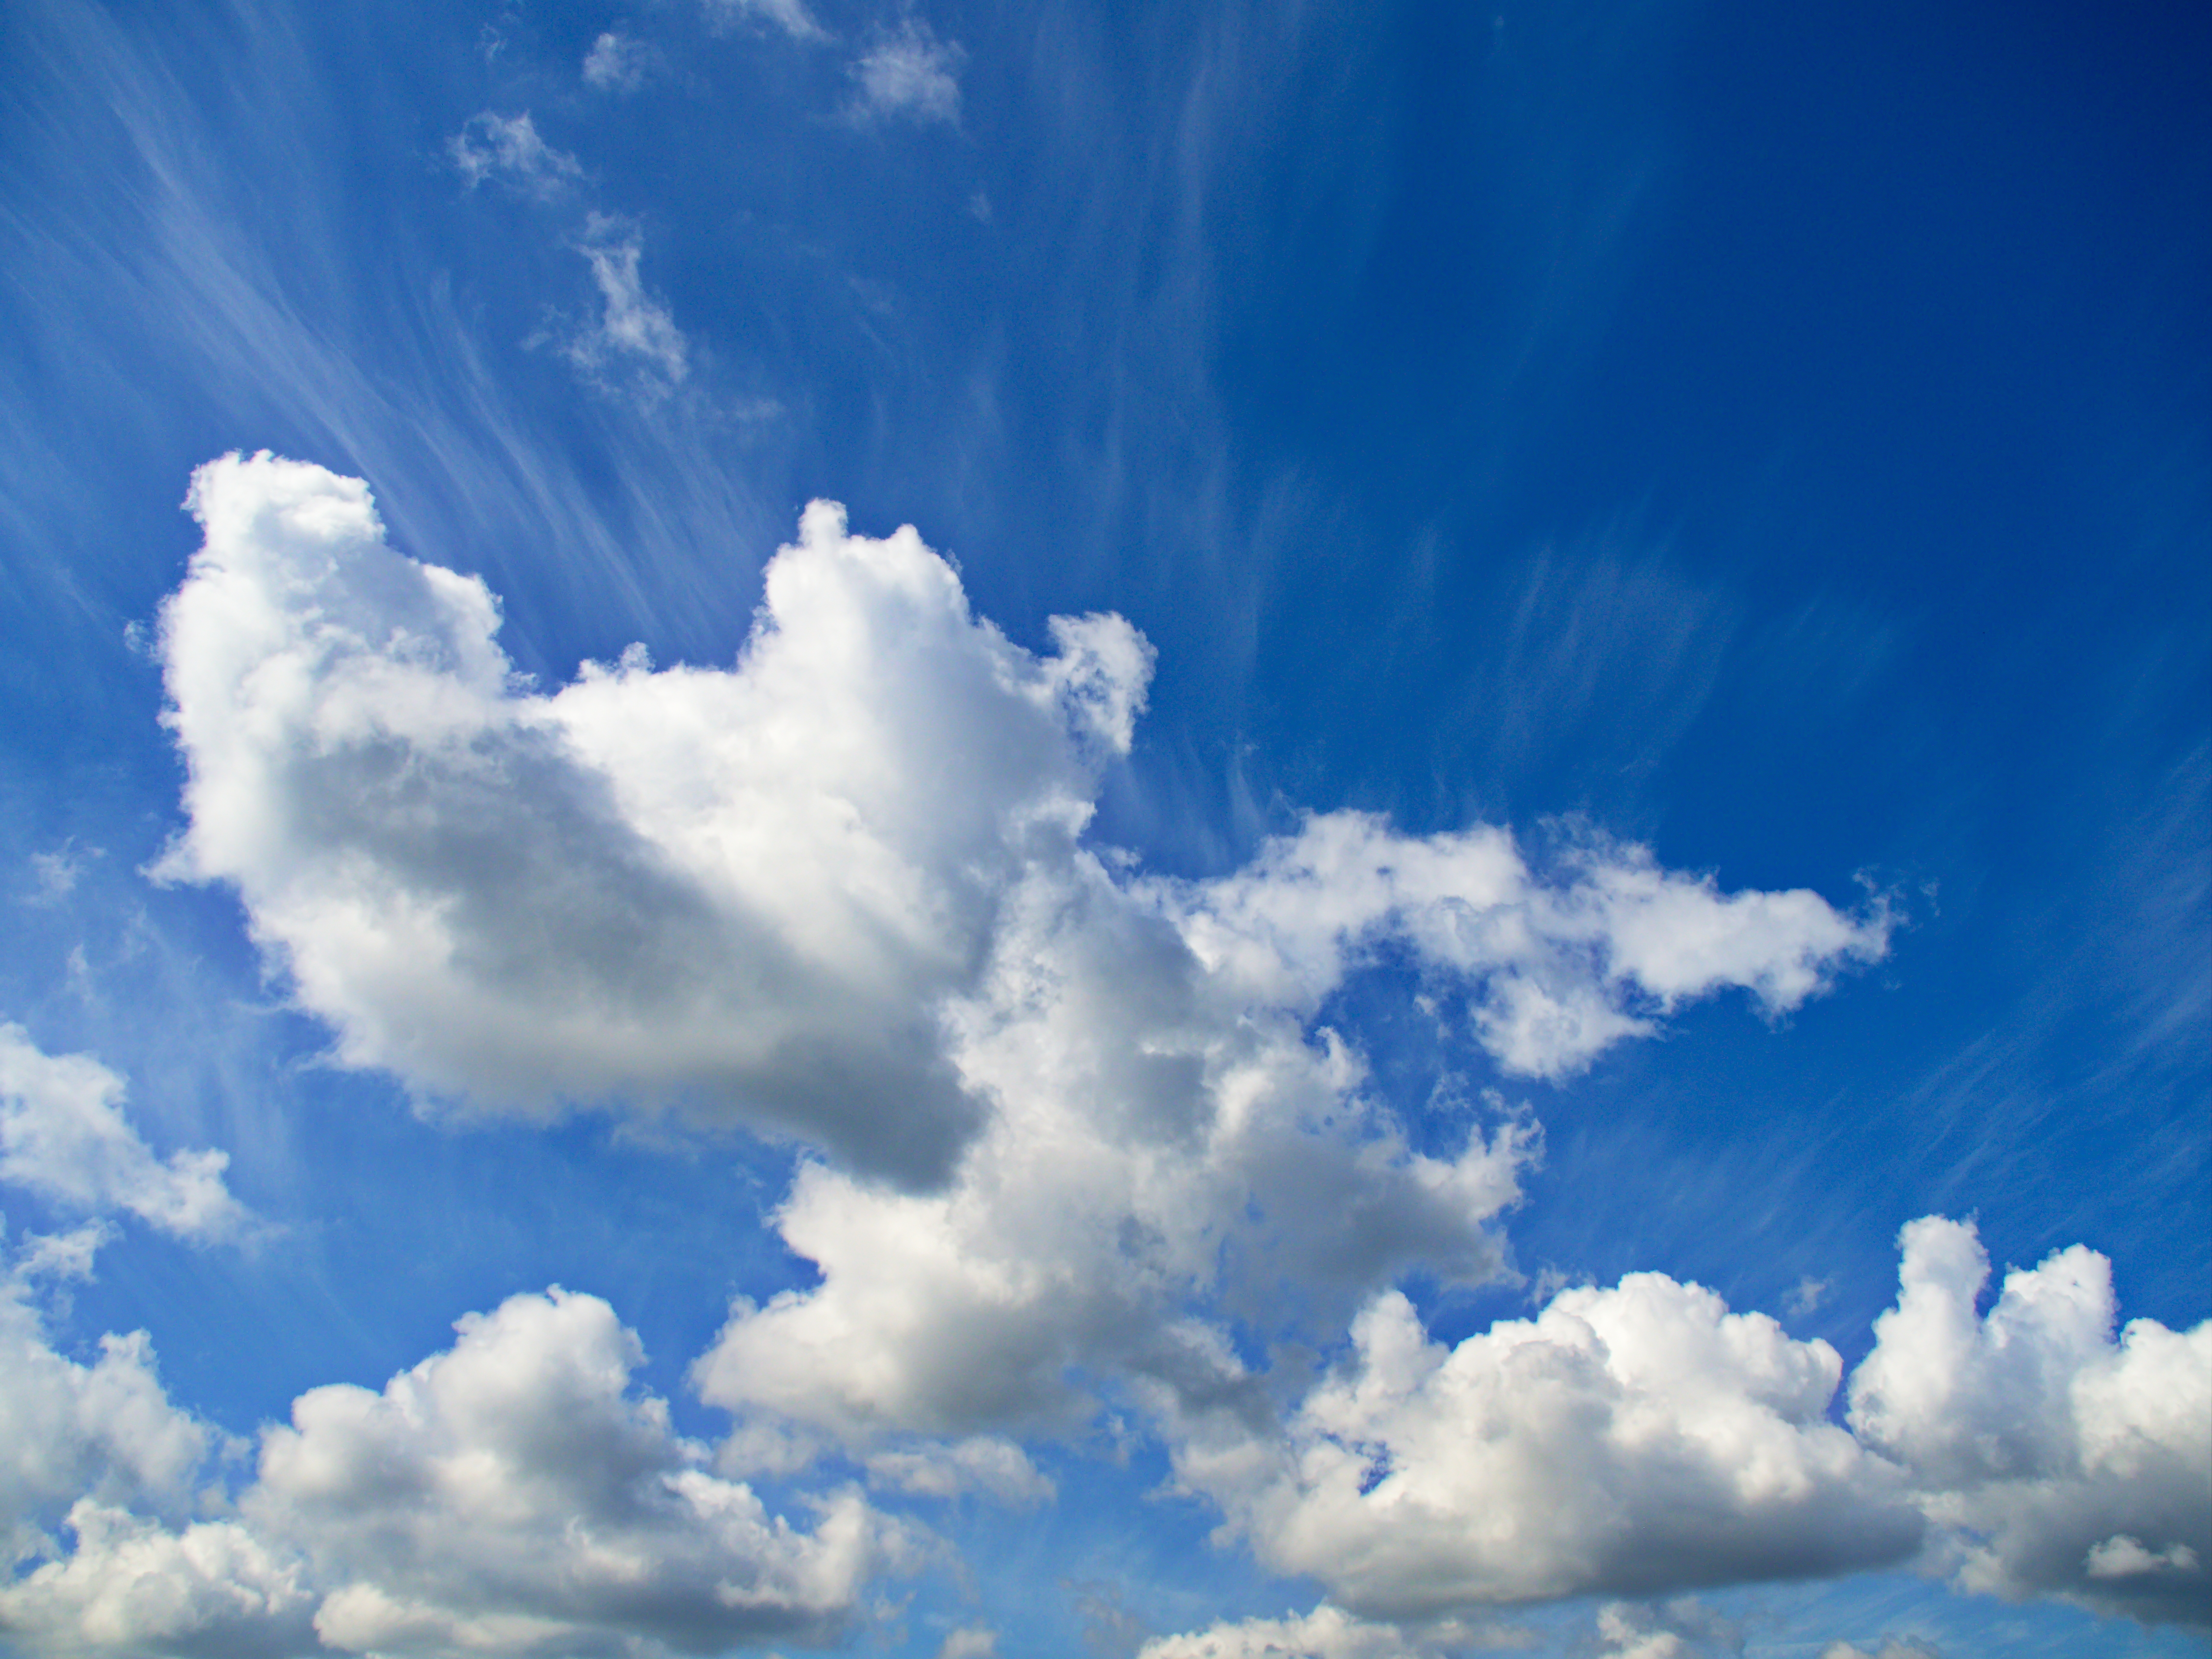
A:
(63, 1133)
(69, 1430)
(839, 889)
(741, 892)
(1636, 1439)
(514, 1495)
(2059, 1459)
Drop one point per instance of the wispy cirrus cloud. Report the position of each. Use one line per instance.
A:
(907, 74)
(616, 62)
(791, 16)
(635, 339)
(508, 147)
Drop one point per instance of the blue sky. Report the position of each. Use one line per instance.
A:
(1545, 716)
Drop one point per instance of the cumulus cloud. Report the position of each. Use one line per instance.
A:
(738, 892)
(615, 63)
(64, 1133)
(508, 147)
(1633, 1440)
(841, 890)
(2060, 1461)
(635, 333)
(131, 1584)
(104, 1431)
(1891, 1647)
(511, 1495)
(908, 75)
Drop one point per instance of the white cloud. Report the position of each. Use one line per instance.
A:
(968, 1642)
(634, 331)
(68, 1431)
(990, 1464)
(1679, 1630)
(909, 74)
(838, 890)
(1639, 1439)
(789, 15)
(63, 1133)
(1561, 965)
(741, 893)
(1892, 1647)
(2060, 1461)
(1327, 1633)
(514, 1482)
(512, 1495)
(508, 147)
(615, 63)
(132, 1585)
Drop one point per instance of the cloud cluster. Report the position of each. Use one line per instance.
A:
(512, 1494)
(1083, 1119)
(2063, 1461)
(1642, 1439)
(1631, 1440)
(63, 1134)
(104, 1432)
(1088, 1136)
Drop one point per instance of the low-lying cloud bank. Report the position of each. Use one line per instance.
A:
(516, 1494)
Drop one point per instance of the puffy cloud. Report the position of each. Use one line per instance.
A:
(63, 1133)
(968, 1642)
(1892, 1647)
(1151, 1156)
(133, 1585)
(103, 1430)
(2061, 1462)
(1561, 965)
(508, 147)
(511, 1495)
(513, 1485)
(839, 891)
(909, 74)
(741, 893)
(1637, 1439)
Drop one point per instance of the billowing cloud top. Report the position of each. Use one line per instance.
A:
(799, 893)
